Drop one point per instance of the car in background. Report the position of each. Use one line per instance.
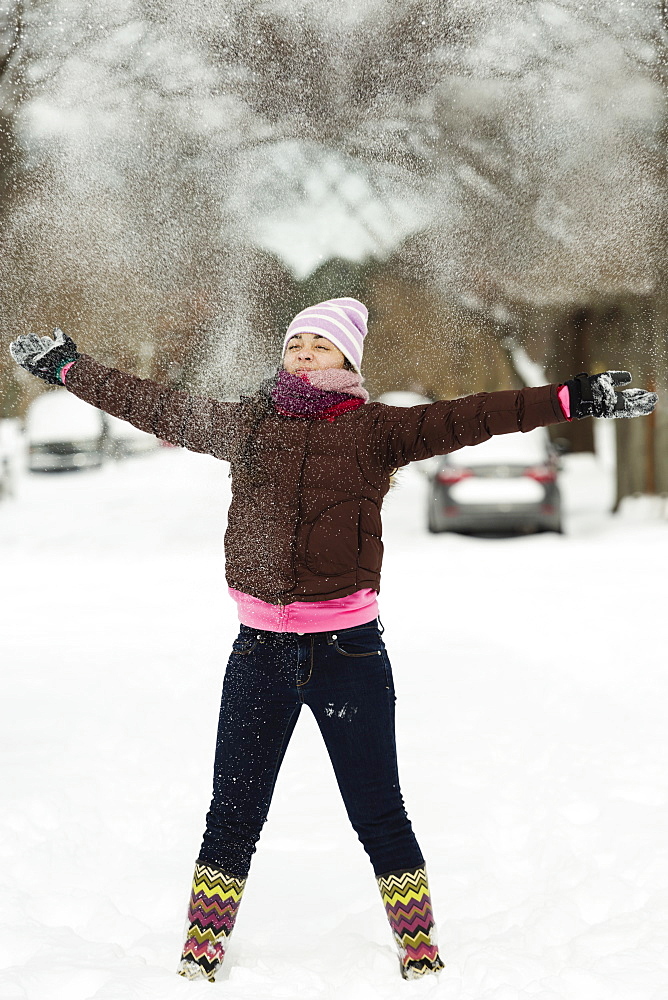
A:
(506, 484)
(124, 440)
(12, 456)
(64, 434)
(403, 397)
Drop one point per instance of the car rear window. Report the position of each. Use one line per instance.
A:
(505, 449)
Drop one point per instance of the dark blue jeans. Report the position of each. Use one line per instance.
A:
(345, 678)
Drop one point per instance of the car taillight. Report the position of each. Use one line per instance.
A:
(541, 473)
(448, 476)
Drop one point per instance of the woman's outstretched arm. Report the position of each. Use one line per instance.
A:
(407, 434)
(194, 422)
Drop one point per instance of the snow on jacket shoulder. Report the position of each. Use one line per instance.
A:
(304, 521)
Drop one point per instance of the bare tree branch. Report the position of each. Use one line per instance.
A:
(6, 58)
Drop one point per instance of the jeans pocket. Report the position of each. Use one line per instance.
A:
(244, 645)
(358, 642)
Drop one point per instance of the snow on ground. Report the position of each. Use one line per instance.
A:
(531, 677)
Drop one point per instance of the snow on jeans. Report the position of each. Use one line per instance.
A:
(345, 678)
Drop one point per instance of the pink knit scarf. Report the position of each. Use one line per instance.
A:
(338, 380)
(313, 394)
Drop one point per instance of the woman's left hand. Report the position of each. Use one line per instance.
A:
(597, 396)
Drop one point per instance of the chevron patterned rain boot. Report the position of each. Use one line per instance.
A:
(214, 902)
(408, 907)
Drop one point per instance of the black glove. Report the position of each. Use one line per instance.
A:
(596, 396)
(42, 356)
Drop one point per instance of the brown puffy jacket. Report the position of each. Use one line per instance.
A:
(308, 527)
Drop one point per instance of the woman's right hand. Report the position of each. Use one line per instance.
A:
(43, 356)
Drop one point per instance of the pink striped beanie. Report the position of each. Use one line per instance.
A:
(342, 321)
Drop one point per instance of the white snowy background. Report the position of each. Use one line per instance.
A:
(530, 671)
(531, 681)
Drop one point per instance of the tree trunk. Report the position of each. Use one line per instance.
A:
(642, 444)
(573, 355)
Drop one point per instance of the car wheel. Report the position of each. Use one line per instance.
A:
(431, 522)
(557, 528)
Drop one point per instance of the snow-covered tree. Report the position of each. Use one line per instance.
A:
(506, 152)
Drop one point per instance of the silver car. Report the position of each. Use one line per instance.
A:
(506, 484)
(12, 456)
(64, 434)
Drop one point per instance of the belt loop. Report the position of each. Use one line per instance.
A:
(381, 627)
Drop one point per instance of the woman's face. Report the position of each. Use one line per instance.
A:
(309, 352)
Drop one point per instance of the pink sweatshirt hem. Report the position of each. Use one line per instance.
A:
(307, 616)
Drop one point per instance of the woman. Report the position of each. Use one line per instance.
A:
(311, 460)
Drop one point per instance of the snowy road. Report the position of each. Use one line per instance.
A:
(532, 679)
